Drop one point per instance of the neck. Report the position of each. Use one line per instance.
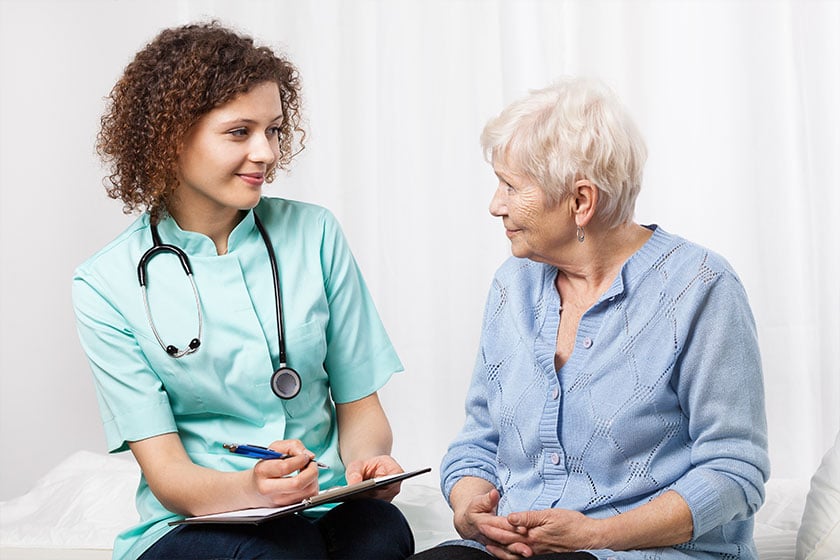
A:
(597, 261)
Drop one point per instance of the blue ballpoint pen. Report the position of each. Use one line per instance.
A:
(260, 452)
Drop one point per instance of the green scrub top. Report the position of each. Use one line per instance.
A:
(221, 393)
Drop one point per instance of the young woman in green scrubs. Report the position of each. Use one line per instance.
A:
(200, 119)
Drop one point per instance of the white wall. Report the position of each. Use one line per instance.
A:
(737, 101)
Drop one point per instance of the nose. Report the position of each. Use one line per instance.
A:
(264, 149)
(498, 204)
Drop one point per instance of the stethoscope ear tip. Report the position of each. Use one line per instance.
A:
(175, 352)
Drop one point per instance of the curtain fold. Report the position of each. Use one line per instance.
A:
(737, 101)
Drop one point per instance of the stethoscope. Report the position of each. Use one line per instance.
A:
(285, 382)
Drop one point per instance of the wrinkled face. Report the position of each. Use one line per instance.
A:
(537, 229)
(226, 155)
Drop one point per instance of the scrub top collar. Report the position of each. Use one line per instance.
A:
(198, 244)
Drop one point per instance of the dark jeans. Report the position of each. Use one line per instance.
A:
(458, 552)
(354, 530)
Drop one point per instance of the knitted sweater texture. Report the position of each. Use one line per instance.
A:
(663, 390)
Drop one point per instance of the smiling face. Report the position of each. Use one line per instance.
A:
(227, 154)
(537, 229)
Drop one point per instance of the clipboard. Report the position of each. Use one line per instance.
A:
(255, 516)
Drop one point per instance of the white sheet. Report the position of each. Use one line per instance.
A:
(81, 503)
(777, 522)
(76, 510)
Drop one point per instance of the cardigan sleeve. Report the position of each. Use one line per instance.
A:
(473, 452)
(721, 390)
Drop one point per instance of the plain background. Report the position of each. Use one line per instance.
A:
(737, 101)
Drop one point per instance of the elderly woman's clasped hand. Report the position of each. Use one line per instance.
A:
(522, 534)
(551, 530)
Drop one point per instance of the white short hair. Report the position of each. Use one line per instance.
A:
(574, 129)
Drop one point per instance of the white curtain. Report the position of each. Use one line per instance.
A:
(737, 101)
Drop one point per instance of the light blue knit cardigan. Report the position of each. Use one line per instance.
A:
(663, 391)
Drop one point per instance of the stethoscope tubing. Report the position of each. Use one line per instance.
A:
(285, 381)
(142, 277)
(278, 308)
(194, 343)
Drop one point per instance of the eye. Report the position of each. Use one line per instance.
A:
(273, 132)
(238, 132)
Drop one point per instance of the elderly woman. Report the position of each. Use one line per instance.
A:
(616, 408)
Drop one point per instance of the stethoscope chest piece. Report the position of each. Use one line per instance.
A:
(285, 382)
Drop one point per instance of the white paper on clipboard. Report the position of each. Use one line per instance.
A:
(338, 494)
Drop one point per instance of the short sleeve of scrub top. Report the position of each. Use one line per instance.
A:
(334, 339)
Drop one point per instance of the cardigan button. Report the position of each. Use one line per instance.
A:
(555, 392)
(587, 342)
(555, 459)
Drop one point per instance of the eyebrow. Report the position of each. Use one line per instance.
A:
(501, 176)
(231, 122)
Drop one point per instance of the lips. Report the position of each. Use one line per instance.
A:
(254, 179)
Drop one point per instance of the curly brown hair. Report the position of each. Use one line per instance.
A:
(184, 73)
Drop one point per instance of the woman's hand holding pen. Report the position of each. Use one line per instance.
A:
(188, 489)
(275, 481)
